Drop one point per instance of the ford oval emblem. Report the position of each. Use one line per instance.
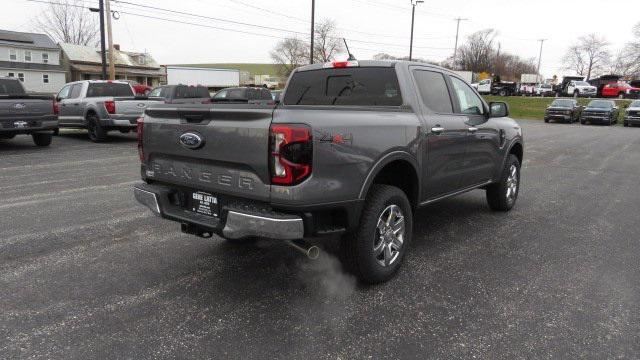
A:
(191, 140)
(19, 106)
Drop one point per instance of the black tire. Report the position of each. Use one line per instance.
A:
(582, 121)
(358, 247)
(625, 124)
(546, 120)
(502, 93)
(56, 132)
(576, 94)
(498, 193)
(95, 131)
(42, 139)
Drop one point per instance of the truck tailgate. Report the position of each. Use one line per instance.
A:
(29, 110)
(232, 158)
(132, 106)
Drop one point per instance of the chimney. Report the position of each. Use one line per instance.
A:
(116, 46)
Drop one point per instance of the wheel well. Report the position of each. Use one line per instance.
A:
(91, 112)
(517, 150)
(401, 174)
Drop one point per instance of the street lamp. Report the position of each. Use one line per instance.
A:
(100, 11)
(413, 15)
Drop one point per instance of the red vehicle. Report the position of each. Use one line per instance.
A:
(139, 89)
(621, 90)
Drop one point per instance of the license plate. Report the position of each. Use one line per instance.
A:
(203, 203)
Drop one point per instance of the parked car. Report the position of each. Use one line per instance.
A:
(621, 90)
(566, 110)
(100, 106)
(242, 95)
(544, 90)
(344, 154)
(632, 114)
(24, 114)
(181, 94)
(577, 88)
(139, 89)
(602, 81)
(600, 111)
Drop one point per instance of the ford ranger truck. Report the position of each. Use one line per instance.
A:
(100, 106)
(25, 114)
(353, 149)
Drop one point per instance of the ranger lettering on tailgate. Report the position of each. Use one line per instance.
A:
(186, 173)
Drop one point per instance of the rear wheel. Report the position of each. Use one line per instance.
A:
(502, 196)
(375, 251)
(503, 93)
(41, 139)
(95, 131)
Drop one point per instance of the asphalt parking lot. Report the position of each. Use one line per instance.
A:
(86, 272)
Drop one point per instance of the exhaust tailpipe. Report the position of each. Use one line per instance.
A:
(310, 251)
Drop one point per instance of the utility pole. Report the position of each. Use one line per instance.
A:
(413, 16)
(540, 56)
(112, 65)
(313, 15)
(455, 47)
(102, 42)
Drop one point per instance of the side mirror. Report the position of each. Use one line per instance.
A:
(498, 109)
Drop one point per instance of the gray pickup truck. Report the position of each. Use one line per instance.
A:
(354, 148)
(100, 106)
(21, 113)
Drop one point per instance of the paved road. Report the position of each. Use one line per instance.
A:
(85, 272)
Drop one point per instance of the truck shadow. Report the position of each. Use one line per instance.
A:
(114, 137)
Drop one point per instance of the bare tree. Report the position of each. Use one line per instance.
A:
(327, 42)
(67, 21)
(588, 56)
(630, 55)
(290, 53)
(477, 54)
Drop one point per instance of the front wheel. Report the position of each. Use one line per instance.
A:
(502, 196)
(42, 139)
(375, 251)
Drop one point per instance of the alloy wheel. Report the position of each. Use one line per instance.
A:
(389, 238)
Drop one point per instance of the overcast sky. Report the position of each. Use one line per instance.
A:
(370, 26)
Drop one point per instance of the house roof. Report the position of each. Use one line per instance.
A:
(89, 54)
(24, 39)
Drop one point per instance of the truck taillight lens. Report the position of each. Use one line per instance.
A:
(291, 147)
(56, 108)
(110, 105)
(140, 136)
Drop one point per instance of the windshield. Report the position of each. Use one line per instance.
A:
(601, 104)
(582, 83)
(562, 103)
(544, 86)
(635, 104)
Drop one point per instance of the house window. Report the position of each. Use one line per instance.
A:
(21, 77)
(27, 56)
(11, 75)
(13, 56)
(45, 78)
(45, 58)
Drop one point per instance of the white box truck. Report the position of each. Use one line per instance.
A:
(211, 78)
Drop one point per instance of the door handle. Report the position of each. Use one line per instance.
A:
(473, 129)
(437, 129)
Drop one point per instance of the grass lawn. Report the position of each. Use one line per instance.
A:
(529, 107)
(254, 69)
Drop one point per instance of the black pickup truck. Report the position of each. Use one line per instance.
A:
(24, 114)
(353, 149)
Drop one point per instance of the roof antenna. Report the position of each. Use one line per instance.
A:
(351, 57)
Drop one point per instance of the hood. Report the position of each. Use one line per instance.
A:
(635, 108)
(586, 87)
(558, 107)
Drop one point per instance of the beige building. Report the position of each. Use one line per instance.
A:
(85, 63)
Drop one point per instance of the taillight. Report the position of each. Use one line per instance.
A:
(56, 108)
(110, 105)
(291, 147)
(140, 137)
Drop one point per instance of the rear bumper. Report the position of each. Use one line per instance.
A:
(231, 223)
(121, 121)
(28, 125)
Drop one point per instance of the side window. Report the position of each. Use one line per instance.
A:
(469, 102)
(155, 92)
(75, 91)
(64, 92)
(433, 90)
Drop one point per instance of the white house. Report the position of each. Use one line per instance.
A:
(32, 58)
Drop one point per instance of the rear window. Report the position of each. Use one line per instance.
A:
(8, 86)
(372, 86)
(235, 94)
(191, 92)
(109, 89)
